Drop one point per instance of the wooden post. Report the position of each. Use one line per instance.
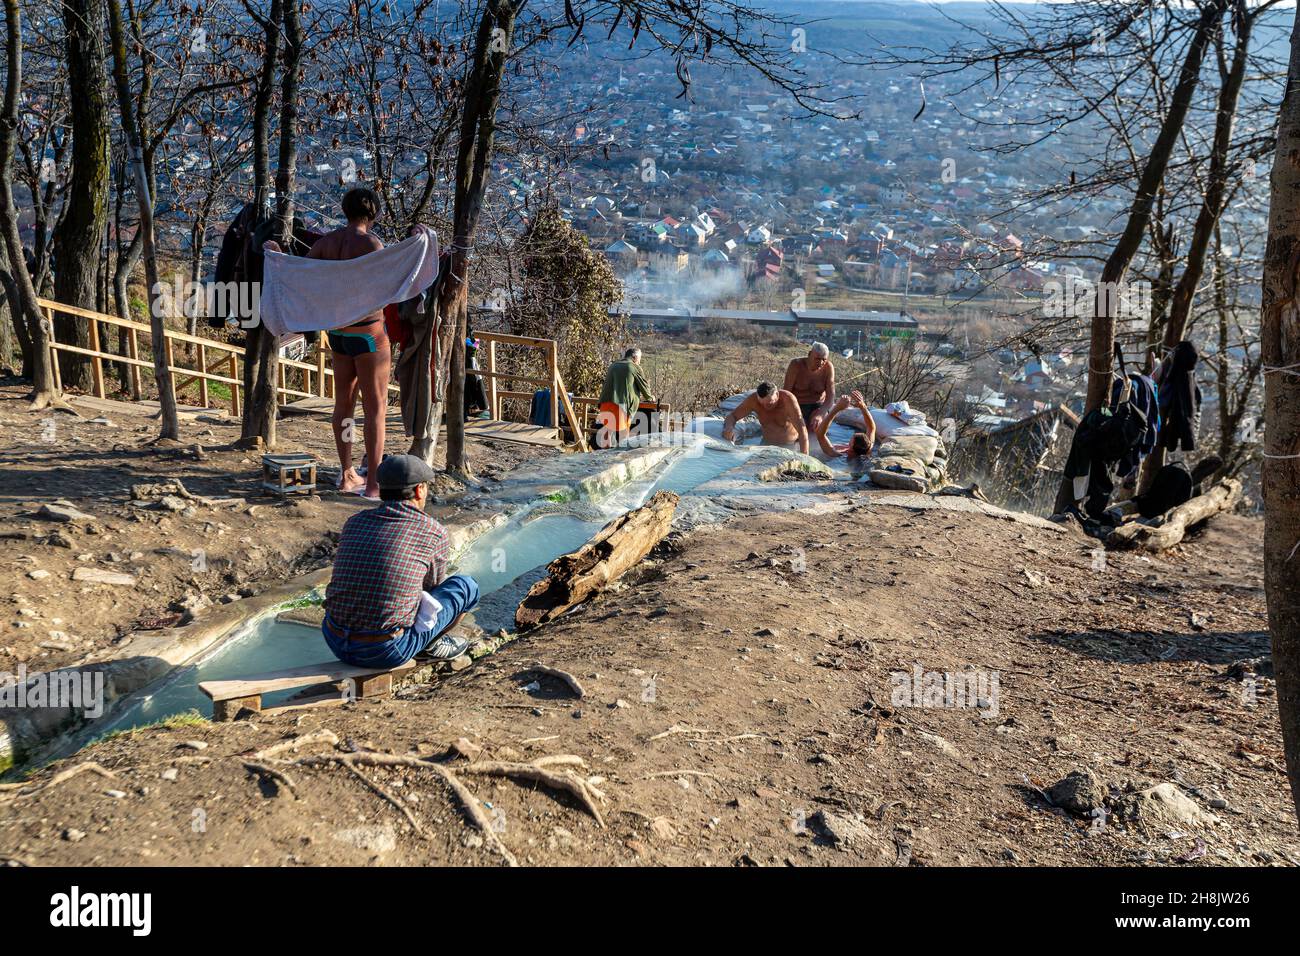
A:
(555, 389)
(171, 359)
(96, 363)
(203, 375)
(54, 355)
(234, 389)
(133, 349)
(493, 400)
(320, 371)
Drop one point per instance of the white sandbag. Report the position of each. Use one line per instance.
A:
(882, 476)
(887, 426)
(921, 448)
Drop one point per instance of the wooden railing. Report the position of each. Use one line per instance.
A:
(317, 375)
(559, 395)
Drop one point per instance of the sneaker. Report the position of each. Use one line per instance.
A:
(447, 646)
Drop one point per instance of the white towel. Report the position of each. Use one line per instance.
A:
(309, 295)
(426, 617)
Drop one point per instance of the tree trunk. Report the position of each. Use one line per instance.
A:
(169, 427)
(1102, 341)
(259, 415)
(24, 307)
(1137, 534)
(1215, 189)
(79, 236)
(263, 397)
(14, 308)
(1280, 348)
(482, 92)
(620, 545)
(1112, 274)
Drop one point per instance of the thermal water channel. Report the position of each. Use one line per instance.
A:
(495, 559)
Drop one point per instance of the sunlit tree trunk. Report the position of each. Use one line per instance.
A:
(1280, 347)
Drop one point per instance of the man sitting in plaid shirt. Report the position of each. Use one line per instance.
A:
(389, 597)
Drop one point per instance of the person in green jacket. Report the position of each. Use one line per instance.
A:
(624, 390)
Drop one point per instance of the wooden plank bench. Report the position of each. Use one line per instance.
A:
(229, 697)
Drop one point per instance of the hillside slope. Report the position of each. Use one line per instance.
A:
(740, 709)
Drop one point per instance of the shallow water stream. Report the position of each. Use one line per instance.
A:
(516, 549)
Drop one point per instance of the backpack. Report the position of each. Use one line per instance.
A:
(1171, 486)
(1119, 428)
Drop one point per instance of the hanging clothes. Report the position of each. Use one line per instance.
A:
(1102, 440)
(1145, 396)
(475, 393)
(1180, 399)
(414, 382)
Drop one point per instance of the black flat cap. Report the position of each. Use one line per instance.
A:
(399, 472)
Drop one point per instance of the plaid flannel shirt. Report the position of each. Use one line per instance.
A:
(386, 557)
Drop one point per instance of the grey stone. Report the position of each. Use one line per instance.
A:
(1079, 791)
(100, 576)
(378, 840)
(1164, 805)
(62, 511)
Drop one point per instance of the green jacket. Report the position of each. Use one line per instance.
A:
(625, 385)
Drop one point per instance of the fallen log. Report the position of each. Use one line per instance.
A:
(1176, 521)
(573, 578)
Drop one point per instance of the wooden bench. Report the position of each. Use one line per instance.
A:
(229, 697)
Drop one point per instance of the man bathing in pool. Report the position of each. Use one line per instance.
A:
(778, 413)
(860, 446)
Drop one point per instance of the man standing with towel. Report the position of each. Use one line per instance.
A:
(362, 355)
(389, 597)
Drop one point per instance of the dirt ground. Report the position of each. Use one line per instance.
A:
(180, 560)
(739, 709)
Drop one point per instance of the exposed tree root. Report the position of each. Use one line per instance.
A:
(565, 676)
(48, 400)
(316, 736)
(57, 779)
(262, 770)
(681, 729)
(475, 811)
(536, 771)
(401, 807)
(470, 802)
(680, 773)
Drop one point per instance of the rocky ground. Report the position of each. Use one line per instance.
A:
(764, 692)
(88, 562)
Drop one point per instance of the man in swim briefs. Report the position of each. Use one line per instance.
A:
(362, 354)
(777, 412)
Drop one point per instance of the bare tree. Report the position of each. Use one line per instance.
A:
(1280, 339)
(22, 293)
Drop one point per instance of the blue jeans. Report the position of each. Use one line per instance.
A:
(457, 594)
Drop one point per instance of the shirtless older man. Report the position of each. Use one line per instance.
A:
(812, 380)
(778, 413)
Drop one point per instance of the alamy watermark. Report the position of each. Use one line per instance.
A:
(977, 689)
(241, 301)
(1077, 298)
(63, 689)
